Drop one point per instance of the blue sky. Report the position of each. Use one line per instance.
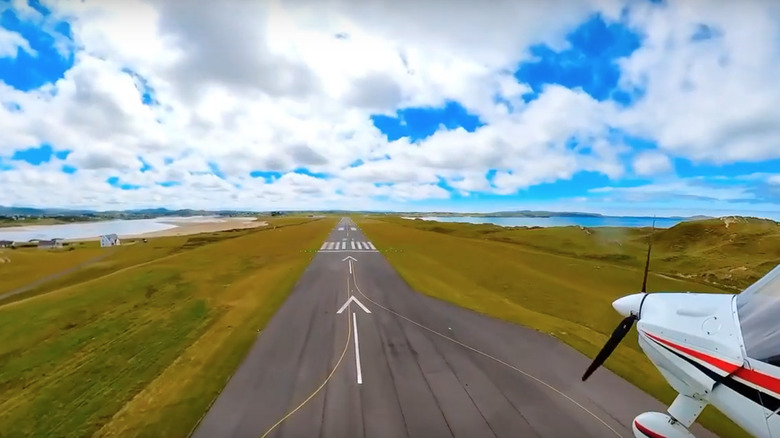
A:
(589, 130)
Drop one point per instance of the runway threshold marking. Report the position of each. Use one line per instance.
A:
(324, 382)
(489, 356)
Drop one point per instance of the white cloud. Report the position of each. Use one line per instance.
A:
(269, 86)
(675, 189)
(11, 42)
(652, 163)
(774, 180)
(714, 99)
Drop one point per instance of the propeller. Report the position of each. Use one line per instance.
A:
(625, 325)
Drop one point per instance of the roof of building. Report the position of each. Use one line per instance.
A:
(110, 236)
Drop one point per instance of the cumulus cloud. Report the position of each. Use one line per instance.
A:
(207, 93)
(707, 72)
(651, 163)
(11, 42)
(677, 188)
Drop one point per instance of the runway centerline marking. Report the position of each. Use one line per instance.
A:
(357, 350)
(327, 379)
(489, 356)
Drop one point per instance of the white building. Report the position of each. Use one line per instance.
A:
(50, 244)
(109, 240)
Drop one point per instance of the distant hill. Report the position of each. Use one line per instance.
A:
(728, 230)
(519, 213)
(25, 211)
(730, 252)
(533, 214)
(148, 212)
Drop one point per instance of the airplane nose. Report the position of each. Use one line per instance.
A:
(628, 304)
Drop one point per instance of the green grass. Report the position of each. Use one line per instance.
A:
(117, 258)
(30, 221)
(512, 275)
(729, 253)
(22, 266)
(143, 350)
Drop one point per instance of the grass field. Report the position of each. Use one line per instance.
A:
(30, 221)
(142, 345)
(132, 252)
(560, 281)
(22, 266)
(728, 253)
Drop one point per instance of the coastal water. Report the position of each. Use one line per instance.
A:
(81, 230)
(561, 221)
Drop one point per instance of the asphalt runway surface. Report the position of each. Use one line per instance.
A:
(412, 367)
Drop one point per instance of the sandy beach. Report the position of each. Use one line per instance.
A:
(184, 228)
(190, 226)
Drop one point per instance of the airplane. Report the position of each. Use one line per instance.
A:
(718, 349)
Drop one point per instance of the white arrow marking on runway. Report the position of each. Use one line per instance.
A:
(352, 298)
(357, 350)
(350, 259)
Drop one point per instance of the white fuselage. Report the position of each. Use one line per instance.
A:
(696, 343)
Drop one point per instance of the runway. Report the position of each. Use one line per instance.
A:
(354, 352)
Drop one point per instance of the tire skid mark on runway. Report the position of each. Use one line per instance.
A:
(327, 379)
(418, 366)
(464, 386)
(489, 356)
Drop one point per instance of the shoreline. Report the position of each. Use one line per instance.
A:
(186, 228)
(191, 227)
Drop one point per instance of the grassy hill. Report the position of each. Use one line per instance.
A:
(728, 252)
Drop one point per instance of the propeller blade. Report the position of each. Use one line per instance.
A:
(620, 332)
(647, 261)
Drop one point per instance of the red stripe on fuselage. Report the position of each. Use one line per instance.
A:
(759, 379)
(762, 380)
(714, 361)
(647, 431)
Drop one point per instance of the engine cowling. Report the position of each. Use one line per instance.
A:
(658, 425)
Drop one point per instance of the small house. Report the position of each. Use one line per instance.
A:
(6, 243)
(109, 240)
(50, 244)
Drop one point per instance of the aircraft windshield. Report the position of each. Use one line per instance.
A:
(758, 307)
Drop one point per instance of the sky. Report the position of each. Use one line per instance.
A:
(642, 107)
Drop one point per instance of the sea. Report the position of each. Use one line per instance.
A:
(562, 221)
(83, 230)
